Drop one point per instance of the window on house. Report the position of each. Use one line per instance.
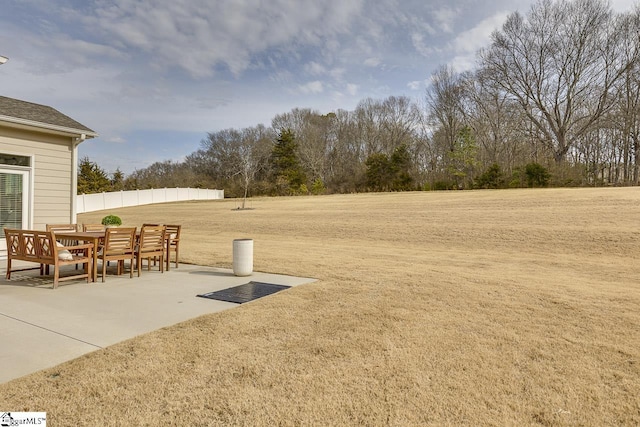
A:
(11, 201)
(14, 160)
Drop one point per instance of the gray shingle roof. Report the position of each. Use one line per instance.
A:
(38, 113)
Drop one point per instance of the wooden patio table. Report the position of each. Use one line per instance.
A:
(95, 237)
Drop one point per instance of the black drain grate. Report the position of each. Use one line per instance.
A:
(245, 293)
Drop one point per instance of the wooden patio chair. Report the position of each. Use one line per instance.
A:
(57, 228)
(119, 245)
(93, 227)
(173, 242)
(151, 244)
(149, 224)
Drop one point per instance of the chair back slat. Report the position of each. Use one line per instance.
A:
(58, 228)
(119, 240)
(62, 227)
(152, 238)
(150, 245)
(118, 245)
(93, 227)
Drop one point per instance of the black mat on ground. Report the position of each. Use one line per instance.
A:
(245, 293)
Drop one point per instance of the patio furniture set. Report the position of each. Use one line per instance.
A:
(68, 244)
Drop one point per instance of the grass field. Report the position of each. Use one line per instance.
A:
(507, 307)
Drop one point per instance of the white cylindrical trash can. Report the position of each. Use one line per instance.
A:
(243, 257)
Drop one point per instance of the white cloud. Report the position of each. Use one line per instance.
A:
(416, 84)
(315, 68)
(312, 87)
(200, 36)
(420, 44)
(352, 89)
(337, 73)
(623, 5)
(466, 44)
(445, 18)
(372, 62)
(480, 35)
(463, 63)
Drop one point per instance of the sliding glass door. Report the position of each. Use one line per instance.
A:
(14, 201)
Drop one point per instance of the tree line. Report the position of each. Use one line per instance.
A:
(554, 100)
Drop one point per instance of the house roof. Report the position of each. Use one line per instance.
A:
(29, 114)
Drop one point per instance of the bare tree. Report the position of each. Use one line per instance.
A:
(561, 65)
(399, 122)
(446, 114)
(445, 103)
(626, 117)
(219, 153)
(496, 122)
(367, 119)
(346, 170)
(253, 151)
(238, 155)
(315, 138)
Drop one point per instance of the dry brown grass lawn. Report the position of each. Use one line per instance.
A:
(515, 307)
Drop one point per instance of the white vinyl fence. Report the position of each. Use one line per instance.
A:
(120, 199)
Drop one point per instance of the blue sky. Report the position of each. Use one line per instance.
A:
(152, 77)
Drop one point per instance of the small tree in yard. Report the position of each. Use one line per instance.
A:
(251, 156)
(289, 175)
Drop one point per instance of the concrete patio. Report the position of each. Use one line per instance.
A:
(41, 327)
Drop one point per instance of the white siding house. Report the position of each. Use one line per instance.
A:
(38, 166)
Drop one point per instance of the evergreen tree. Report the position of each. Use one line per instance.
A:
(400, 168)
(537, 175)
(379, 172)
(384, 173)
(288, 173)
(117, 180)
(491, 178)
(92, 178)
